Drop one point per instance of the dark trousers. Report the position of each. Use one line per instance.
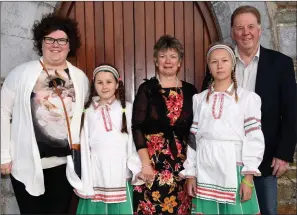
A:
(266, 188)
(55, 200)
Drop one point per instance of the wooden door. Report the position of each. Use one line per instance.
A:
(123, 34)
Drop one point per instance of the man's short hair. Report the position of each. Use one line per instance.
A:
(246, 9)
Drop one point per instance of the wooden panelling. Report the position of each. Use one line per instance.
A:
(199, 49)
(129, 46)
(80, 18)
(108, 32)
(90, 38)
(160, 19)
(179, 30)
(150, 38)
(99, 33)
(189, 57)
(169, 18)
(139, 40)
(123, 34)
(119, 38)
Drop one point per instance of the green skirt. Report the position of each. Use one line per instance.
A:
(86, 206)
(202, 206)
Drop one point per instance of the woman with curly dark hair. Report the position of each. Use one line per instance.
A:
(44, 98)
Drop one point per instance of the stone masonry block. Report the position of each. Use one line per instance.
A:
(266, 39)
(51, 3)
(287, 39)
(10, 206)
(14, 51)
(6, 187)
(287, 4)
(286, 16)
(223, 16)
(286, 190)
(15, 21)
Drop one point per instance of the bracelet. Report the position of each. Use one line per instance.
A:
(146, 165)
(247, 183)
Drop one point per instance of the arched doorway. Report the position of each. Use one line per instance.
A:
(124, 33)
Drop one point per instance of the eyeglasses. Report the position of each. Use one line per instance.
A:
(60, 41)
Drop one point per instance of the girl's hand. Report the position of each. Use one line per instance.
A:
(191, 186)
(148, 172)
(245, 190)
(6, 168)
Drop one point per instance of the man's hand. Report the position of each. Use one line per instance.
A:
(6, 168)
(279, 167)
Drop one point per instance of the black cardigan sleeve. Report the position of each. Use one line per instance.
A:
(139, 114)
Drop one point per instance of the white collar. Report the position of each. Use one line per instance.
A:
(229, 92)
(238, 56)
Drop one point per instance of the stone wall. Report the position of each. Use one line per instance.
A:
(17, 19)
(284, 26)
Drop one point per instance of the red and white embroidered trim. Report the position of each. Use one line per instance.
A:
(106, 119)
(252, 118)
(221, 195)
(214, 106)
(112, 195)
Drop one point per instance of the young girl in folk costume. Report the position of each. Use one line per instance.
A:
(226, 144)
(106, 148)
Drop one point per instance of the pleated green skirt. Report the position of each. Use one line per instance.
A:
(86, 206)
(202, 206)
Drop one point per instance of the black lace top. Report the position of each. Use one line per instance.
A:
(150, 114)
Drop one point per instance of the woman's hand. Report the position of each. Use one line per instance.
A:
(246, 190)
(6, 168)
(148, 172)
(191, 186)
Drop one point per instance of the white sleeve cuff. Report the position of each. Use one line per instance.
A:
(134, 164)
(247, 170)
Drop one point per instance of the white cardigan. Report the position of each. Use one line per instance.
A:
(18, 143)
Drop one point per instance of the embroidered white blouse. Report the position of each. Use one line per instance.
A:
(108, 155)
(225, 140)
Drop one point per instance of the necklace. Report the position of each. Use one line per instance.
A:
(177, 81)
(221, 106)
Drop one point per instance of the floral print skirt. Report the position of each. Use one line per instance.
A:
(167, 194)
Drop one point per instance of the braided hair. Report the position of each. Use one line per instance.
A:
(120, 94)
(209, 88)
(235, 84)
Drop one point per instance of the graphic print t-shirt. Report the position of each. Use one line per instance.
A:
(48, 115)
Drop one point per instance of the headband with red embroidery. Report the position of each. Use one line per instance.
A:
(107, 68)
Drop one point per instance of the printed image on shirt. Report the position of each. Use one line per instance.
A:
(47, 110)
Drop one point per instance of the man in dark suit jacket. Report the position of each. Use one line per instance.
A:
(271, 75)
